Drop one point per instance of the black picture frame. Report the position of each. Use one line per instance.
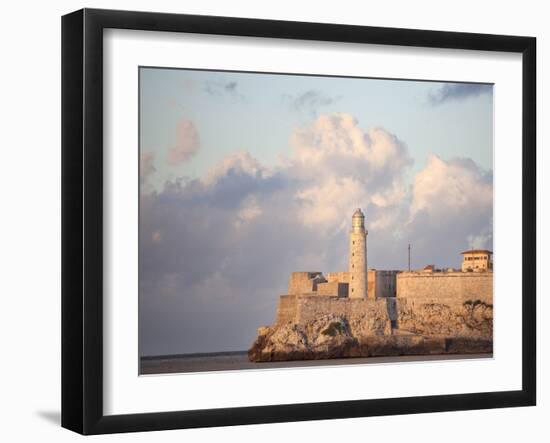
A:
(82, 218)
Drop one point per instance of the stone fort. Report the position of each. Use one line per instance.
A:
(430, 305)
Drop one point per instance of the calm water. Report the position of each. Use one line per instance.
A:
(226, 361)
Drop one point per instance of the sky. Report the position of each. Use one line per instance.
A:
(246, 177)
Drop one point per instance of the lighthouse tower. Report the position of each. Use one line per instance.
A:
(358, 256)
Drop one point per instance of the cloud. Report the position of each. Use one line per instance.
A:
(342, 167)
(224, 89)
(174, 104)
(451, 208)
(216, 251)
(209, 278)
(450, 188)
(457, 91)
(237, 163)
(146, 164)
(249, 210)
(187, 143)
(336, 144)
(310, 101)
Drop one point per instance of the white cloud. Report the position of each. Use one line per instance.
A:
(343, 167)
(450, 189)
(482, 240)
(324, 203)
(451, 206)
(333, 140)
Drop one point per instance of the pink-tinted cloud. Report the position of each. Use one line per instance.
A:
(187, 143)
(342, 166)
(451, 189)
(240, 162)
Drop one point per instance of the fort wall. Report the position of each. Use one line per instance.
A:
(381, 283)
(449, 286)
(449, 316)
(333, 288)
(415, 292)
(286, 309)
(311, 308)
(366, 317)
(342, 277)
(304, 282)
(304, 308)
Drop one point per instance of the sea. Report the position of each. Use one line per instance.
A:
(238, 360)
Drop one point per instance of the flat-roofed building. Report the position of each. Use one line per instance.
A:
(477, 260)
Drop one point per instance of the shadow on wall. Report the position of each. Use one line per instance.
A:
(391, 306)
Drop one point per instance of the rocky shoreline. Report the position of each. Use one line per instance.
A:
(335, 336)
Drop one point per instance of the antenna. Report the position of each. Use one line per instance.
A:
(409, 257)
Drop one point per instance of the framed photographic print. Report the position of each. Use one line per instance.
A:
(269, 221)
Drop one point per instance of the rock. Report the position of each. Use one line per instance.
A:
(422, 328)
(327, 337)
(468, 345)
(472, 318)
(366, 325)
(379, 346)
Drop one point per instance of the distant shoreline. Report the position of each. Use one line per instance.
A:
(238, 360)
(191, 355)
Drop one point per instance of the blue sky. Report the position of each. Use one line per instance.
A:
(261, 111)
(246, 178)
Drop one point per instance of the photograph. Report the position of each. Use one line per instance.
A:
(292, 220)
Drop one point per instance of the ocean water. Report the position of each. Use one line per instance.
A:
(236, 361)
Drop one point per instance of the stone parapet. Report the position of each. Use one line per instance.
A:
(334, 288)
(461, 286)
(304, 282)
(341, 276)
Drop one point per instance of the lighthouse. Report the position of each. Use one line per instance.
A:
(358, 256)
